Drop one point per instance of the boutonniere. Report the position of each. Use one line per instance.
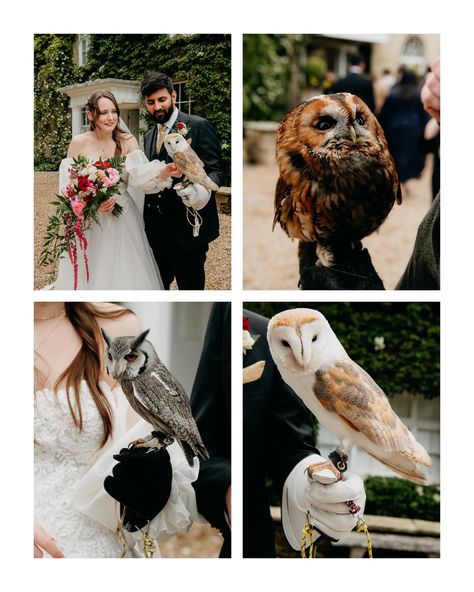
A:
(180, 128)
(248, 340)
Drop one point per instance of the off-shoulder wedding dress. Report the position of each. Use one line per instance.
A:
(70, 501)
(118, 252)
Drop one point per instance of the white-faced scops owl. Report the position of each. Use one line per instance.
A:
(337, 180)
(343, 397)
(153, 392)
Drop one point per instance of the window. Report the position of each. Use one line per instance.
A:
(183, 101)
(83, 49)
(84, 121)
(413, 55)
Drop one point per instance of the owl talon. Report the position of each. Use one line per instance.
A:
(325, 257)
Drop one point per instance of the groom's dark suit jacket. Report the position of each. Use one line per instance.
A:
(277, 432)
(165, 213)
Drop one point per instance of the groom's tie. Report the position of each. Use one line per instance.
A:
(161, 138)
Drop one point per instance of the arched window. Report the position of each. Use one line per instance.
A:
(413, 55)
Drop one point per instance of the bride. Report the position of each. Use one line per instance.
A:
(118, 251)
(81, 419)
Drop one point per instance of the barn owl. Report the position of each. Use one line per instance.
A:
(342, 396)
(153, 392)
(188, 161)
(337, 180)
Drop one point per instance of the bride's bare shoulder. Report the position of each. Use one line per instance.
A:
(117, 320)
(129, 144)
(78, 145)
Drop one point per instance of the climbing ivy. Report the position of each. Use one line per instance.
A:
(201, 60)
(397, 343)
(54, 68)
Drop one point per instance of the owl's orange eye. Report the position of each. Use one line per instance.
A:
(131, 357)
(325, 123)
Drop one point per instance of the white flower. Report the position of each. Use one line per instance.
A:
(247, 341)
(379, 343)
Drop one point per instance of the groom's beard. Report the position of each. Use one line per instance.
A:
(162, 115)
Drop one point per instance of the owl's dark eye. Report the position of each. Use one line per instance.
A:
(131, 357)
(325, 123)
(360, 120)
(285, 343)
(314, 338)
(109, 355)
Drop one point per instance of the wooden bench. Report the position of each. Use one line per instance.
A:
(400, 537)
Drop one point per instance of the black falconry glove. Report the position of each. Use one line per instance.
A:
(355, 273)
(141, 482)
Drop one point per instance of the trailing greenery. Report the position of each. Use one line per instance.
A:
(408, 357)
(391, 496)
(203, 61)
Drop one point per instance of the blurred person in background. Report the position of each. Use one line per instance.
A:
(356, 82)
(382, 87)
(403, 119)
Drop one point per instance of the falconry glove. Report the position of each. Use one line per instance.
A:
(324, 505)
(141, 482)
(356, 272)
(194, 195)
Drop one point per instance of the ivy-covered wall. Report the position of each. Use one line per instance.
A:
(202, 60)
(407, 359)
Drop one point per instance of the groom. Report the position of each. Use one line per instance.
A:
(179, 253)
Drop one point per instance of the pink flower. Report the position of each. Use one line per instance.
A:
(77, 207)
(109, 178)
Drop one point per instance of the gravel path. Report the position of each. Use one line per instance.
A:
(270, 258)
(218, 262)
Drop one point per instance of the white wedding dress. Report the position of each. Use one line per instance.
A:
(70, 501)
(118, 252)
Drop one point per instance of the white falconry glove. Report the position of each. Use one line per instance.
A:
(194, 195)
(323, 503)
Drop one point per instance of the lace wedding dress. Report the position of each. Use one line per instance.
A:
(70, 501)
(118, 252)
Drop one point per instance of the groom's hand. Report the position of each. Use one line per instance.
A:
(194, 195)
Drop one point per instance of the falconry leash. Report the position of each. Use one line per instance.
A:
(310, 532)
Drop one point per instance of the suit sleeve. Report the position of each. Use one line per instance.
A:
(209, 151)
(210, 402)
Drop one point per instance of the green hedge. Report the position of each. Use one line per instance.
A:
(410, 359)
(391, 496)
(202, 60)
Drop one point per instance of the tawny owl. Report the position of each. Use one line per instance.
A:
(188, 161)
(153, 392)
(337, 180)
(343, 397)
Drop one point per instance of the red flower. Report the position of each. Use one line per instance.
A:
(83, 183)
(246, 324)
(100, 164)
(87, 199)
(180, 125)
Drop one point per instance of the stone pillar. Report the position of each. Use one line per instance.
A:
(76, 120)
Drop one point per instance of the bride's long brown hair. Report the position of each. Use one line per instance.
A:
(88, 363)
(93, 106)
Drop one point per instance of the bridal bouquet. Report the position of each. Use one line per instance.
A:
(77, 207)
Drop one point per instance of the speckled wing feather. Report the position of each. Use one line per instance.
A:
(167, 406)
(193, 167)
(347, 390)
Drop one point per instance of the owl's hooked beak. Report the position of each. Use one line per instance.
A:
(353, 133)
